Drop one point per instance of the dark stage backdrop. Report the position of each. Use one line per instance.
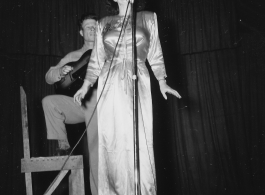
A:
(212, 141)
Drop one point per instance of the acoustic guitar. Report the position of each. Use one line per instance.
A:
(74, 79)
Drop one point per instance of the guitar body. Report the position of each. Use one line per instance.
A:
(72, 81)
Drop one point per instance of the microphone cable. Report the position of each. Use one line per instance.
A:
(69, 155)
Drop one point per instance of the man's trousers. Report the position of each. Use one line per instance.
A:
(60, 110)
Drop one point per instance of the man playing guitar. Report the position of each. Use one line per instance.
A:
(61, 109)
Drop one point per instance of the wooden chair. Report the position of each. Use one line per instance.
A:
(41, 164)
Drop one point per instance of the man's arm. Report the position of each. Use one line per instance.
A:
(54, 74)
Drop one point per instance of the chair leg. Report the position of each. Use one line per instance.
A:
(76, 182)
(28, 183)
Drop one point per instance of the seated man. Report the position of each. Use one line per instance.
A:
(61, 109)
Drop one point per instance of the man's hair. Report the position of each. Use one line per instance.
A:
(113, 9)
(85, 17)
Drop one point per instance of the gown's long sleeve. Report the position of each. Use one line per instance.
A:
(97, 58)
(155, 54)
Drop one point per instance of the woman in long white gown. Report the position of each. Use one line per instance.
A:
(115, 108)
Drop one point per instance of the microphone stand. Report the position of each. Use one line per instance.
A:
(137, 181)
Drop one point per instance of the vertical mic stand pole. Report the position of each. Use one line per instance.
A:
(137, 184)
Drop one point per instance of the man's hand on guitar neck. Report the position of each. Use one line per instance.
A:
(64, 70)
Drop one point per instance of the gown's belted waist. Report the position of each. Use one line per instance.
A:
(125, 68)
(120, 60)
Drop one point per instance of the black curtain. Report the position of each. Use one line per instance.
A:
(211, 141)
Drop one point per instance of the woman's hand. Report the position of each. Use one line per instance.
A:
(80, 94)
(164, 88)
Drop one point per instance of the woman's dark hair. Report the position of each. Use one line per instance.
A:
(113, 9)
(85, 17)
